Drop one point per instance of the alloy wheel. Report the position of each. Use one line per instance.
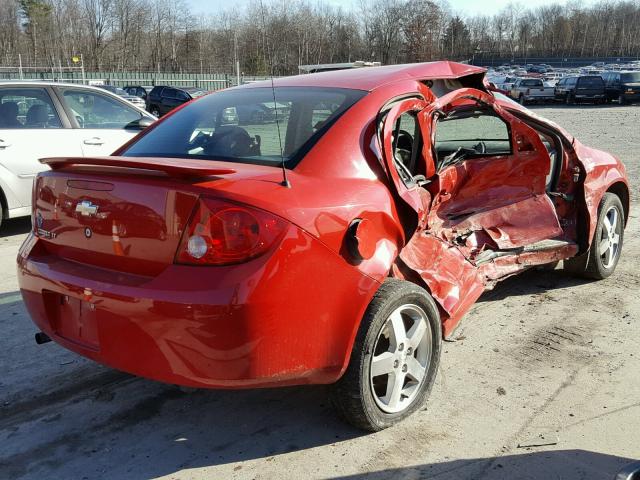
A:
(400, 360)
(609, 246)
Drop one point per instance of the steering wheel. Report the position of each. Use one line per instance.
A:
(228, 140)
(80, 121)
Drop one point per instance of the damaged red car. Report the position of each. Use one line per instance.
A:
(330, 228)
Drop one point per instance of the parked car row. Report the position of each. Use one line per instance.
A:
(47, 119)
(615, 86)
(548, 72)
(137, 101)
(161, 99)
(157, 100)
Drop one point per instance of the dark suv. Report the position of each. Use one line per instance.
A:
(588, 88)
(141, 91)
(622, 86)
(163, 99)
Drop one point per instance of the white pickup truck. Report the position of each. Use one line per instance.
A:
(527, 90)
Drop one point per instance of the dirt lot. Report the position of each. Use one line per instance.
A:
(541, 383)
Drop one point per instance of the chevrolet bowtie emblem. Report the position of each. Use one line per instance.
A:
(86, 208)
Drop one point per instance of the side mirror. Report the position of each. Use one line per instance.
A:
(139, 124)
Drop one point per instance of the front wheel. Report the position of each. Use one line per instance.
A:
(569, 99)
(621, 99)
(394, 360)
(522, 100)
(607, 239)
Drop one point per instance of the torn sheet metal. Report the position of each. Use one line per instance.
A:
(453, 282)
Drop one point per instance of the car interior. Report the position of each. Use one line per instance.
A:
(27, 108)
(465, 133)
(250, 130)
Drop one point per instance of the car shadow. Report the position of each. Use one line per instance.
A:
(557, 464)
(70, 415)
(168, 429)
(15, 226)
(531, 282)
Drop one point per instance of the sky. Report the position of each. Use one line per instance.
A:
(464, 7)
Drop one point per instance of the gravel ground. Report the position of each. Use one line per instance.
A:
(540, 383)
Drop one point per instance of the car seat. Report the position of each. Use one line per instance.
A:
(9, 115)
(37, 116)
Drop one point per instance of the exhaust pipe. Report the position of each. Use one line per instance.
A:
(41, 338)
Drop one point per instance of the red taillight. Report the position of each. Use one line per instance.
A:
(221, 233)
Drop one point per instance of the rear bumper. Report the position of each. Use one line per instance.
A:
(538, 98)
(589, 97)
(285, 318)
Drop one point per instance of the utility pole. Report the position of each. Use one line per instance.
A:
(20, 67)
(84, 78)
(235, 58)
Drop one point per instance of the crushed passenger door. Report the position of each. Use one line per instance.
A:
(493, 196)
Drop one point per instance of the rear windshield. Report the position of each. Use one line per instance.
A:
(246, 125)
(531, 83)
(632, 77)
(590, 81)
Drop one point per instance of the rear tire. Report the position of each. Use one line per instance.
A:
(155, 111)
(603, 255)
(400, 338)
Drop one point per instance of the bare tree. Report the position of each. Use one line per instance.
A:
(280, 35)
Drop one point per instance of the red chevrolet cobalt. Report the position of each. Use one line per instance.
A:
(324, 229)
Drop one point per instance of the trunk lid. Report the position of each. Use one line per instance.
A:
(120, 214)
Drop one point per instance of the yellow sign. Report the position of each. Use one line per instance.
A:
(75, 59)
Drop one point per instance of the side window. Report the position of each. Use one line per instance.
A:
(94, 110)
(27, 108)
(169, 93)
(182, 96)
(471, 135)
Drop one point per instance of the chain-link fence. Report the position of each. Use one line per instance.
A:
(205, 81)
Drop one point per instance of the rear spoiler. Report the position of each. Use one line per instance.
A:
(174, 167)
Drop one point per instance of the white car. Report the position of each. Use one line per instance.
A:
(48, 119)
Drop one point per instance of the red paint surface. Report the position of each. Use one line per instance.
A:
(290, 315)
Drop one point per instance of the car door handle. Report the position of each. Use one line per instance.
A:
(94, 141)
(4, 144)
